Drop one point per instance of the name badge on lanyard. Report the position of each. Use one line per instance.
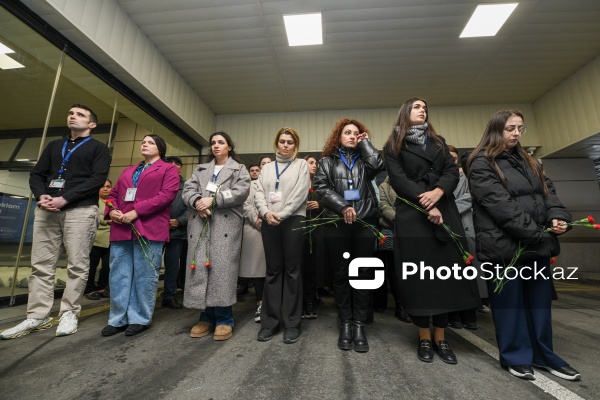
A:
(57, 183)
(212, 187)
(130, 194)
(351, 194)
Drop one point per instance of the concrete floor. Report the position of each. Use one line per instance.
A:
(165, 363)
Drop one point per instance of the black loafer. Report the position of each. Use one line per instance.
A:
(402, 315)
(455, 324)
(134, 329)
(445, 352)
(110, 330)
(425, 350)
(172, 303)
(266, 334)
(291, 335)
(471, 326)
(522, 371)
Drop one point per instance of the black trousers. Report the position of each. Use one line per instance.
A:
(380, 295)
(357, 241)
(309, 270)
(422, 321)
(282, 296)
(96, 255)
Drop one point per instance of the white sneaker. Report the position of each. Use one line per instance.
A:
(67, 325)
(26, 327)
(257, 314)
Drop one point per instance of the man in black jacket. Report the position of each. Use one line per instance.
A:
(65, 182)
(176, 248)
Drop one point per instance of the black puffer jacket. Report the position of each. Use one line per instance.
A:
(517, 211)
(331, 180)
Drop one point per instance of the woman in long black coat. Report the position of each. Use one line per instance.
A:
(422, 171)
(515, 204)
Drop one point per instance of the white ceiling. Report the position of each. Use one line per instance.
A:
(234, 53)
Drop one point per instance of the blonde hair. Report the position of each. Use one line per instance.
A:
(295, 136)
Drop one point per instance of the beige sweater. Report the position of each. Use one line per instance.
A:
(293, 184)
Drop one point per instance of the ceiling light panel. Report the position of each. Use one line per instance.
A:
(8, 63)
(304, 29)
(488, 19)
(5, 50)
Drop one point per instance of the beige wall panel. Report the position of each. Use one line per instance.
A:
(111, 31)
(571, 111)
(461, 126)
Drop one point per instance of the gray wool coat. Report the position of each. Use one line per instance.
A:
(215, 286)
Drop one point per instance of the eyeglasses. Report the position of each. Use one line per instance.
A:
(511, 129)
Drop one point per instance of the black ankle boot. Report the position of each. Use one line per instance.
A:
(360, 337)
(345, 339)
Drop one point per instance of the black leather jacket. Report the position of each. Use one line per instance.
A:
(331, 180)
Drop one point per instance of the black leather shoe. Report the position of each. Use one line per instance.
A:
(471, 326)
(445, 352)
(310, 311)
(522, 371)
(266, 334)
(402, 315)
(134, 329)
(291, 335)
(359, 337)
(172, 303)
(425, 350)
(345, 339)
(455, 324)
(110, 330)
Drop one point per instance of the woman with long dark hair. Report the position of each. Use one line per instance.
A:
(343, 179)
(280, 198)
(217, 191)
(514, 205)
(138, 206)
(422, 171)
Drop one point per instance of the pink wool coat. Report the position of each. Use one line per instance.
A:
(156, 189)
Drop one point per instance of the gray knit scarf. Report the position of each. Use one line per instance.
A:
(416, 134)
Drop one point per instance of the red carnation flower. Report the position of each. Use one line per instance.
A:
(470, 259)
(192, 266)
(591, 219)
(110, 204)
(311, 190)
(596, 226)
(553, 260)
(208, 264)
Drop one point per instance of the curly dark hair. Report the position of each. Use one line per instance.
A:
(333, 141)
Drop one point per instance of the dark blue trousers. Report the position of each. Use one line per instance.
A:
(522, 314)
(175, 260)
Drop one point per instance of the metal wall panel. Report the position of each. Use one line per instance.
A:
(460, 126)
(571, 111)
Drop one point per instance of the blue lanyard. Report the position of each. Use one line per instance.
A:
(346, 161)
(279, 174)
(138, 172)
(68, 156)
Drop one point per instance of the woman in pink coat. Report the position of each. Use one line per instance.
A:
(138, 205)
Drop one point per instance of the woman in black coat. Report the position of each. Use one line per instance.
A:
(514, 204)
(422, 171)
(344, 182)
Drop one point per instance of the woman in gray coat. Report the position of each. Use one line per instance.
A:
(217, 191)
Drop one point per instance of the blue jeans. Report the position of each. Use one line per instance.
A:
(218, 315)
(175, 261)
(133, 282)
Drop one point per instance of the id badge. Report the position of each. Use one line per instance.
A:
(57, 183)
(130, 195)
(351, 194)
(275, 197)
(212, 187)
